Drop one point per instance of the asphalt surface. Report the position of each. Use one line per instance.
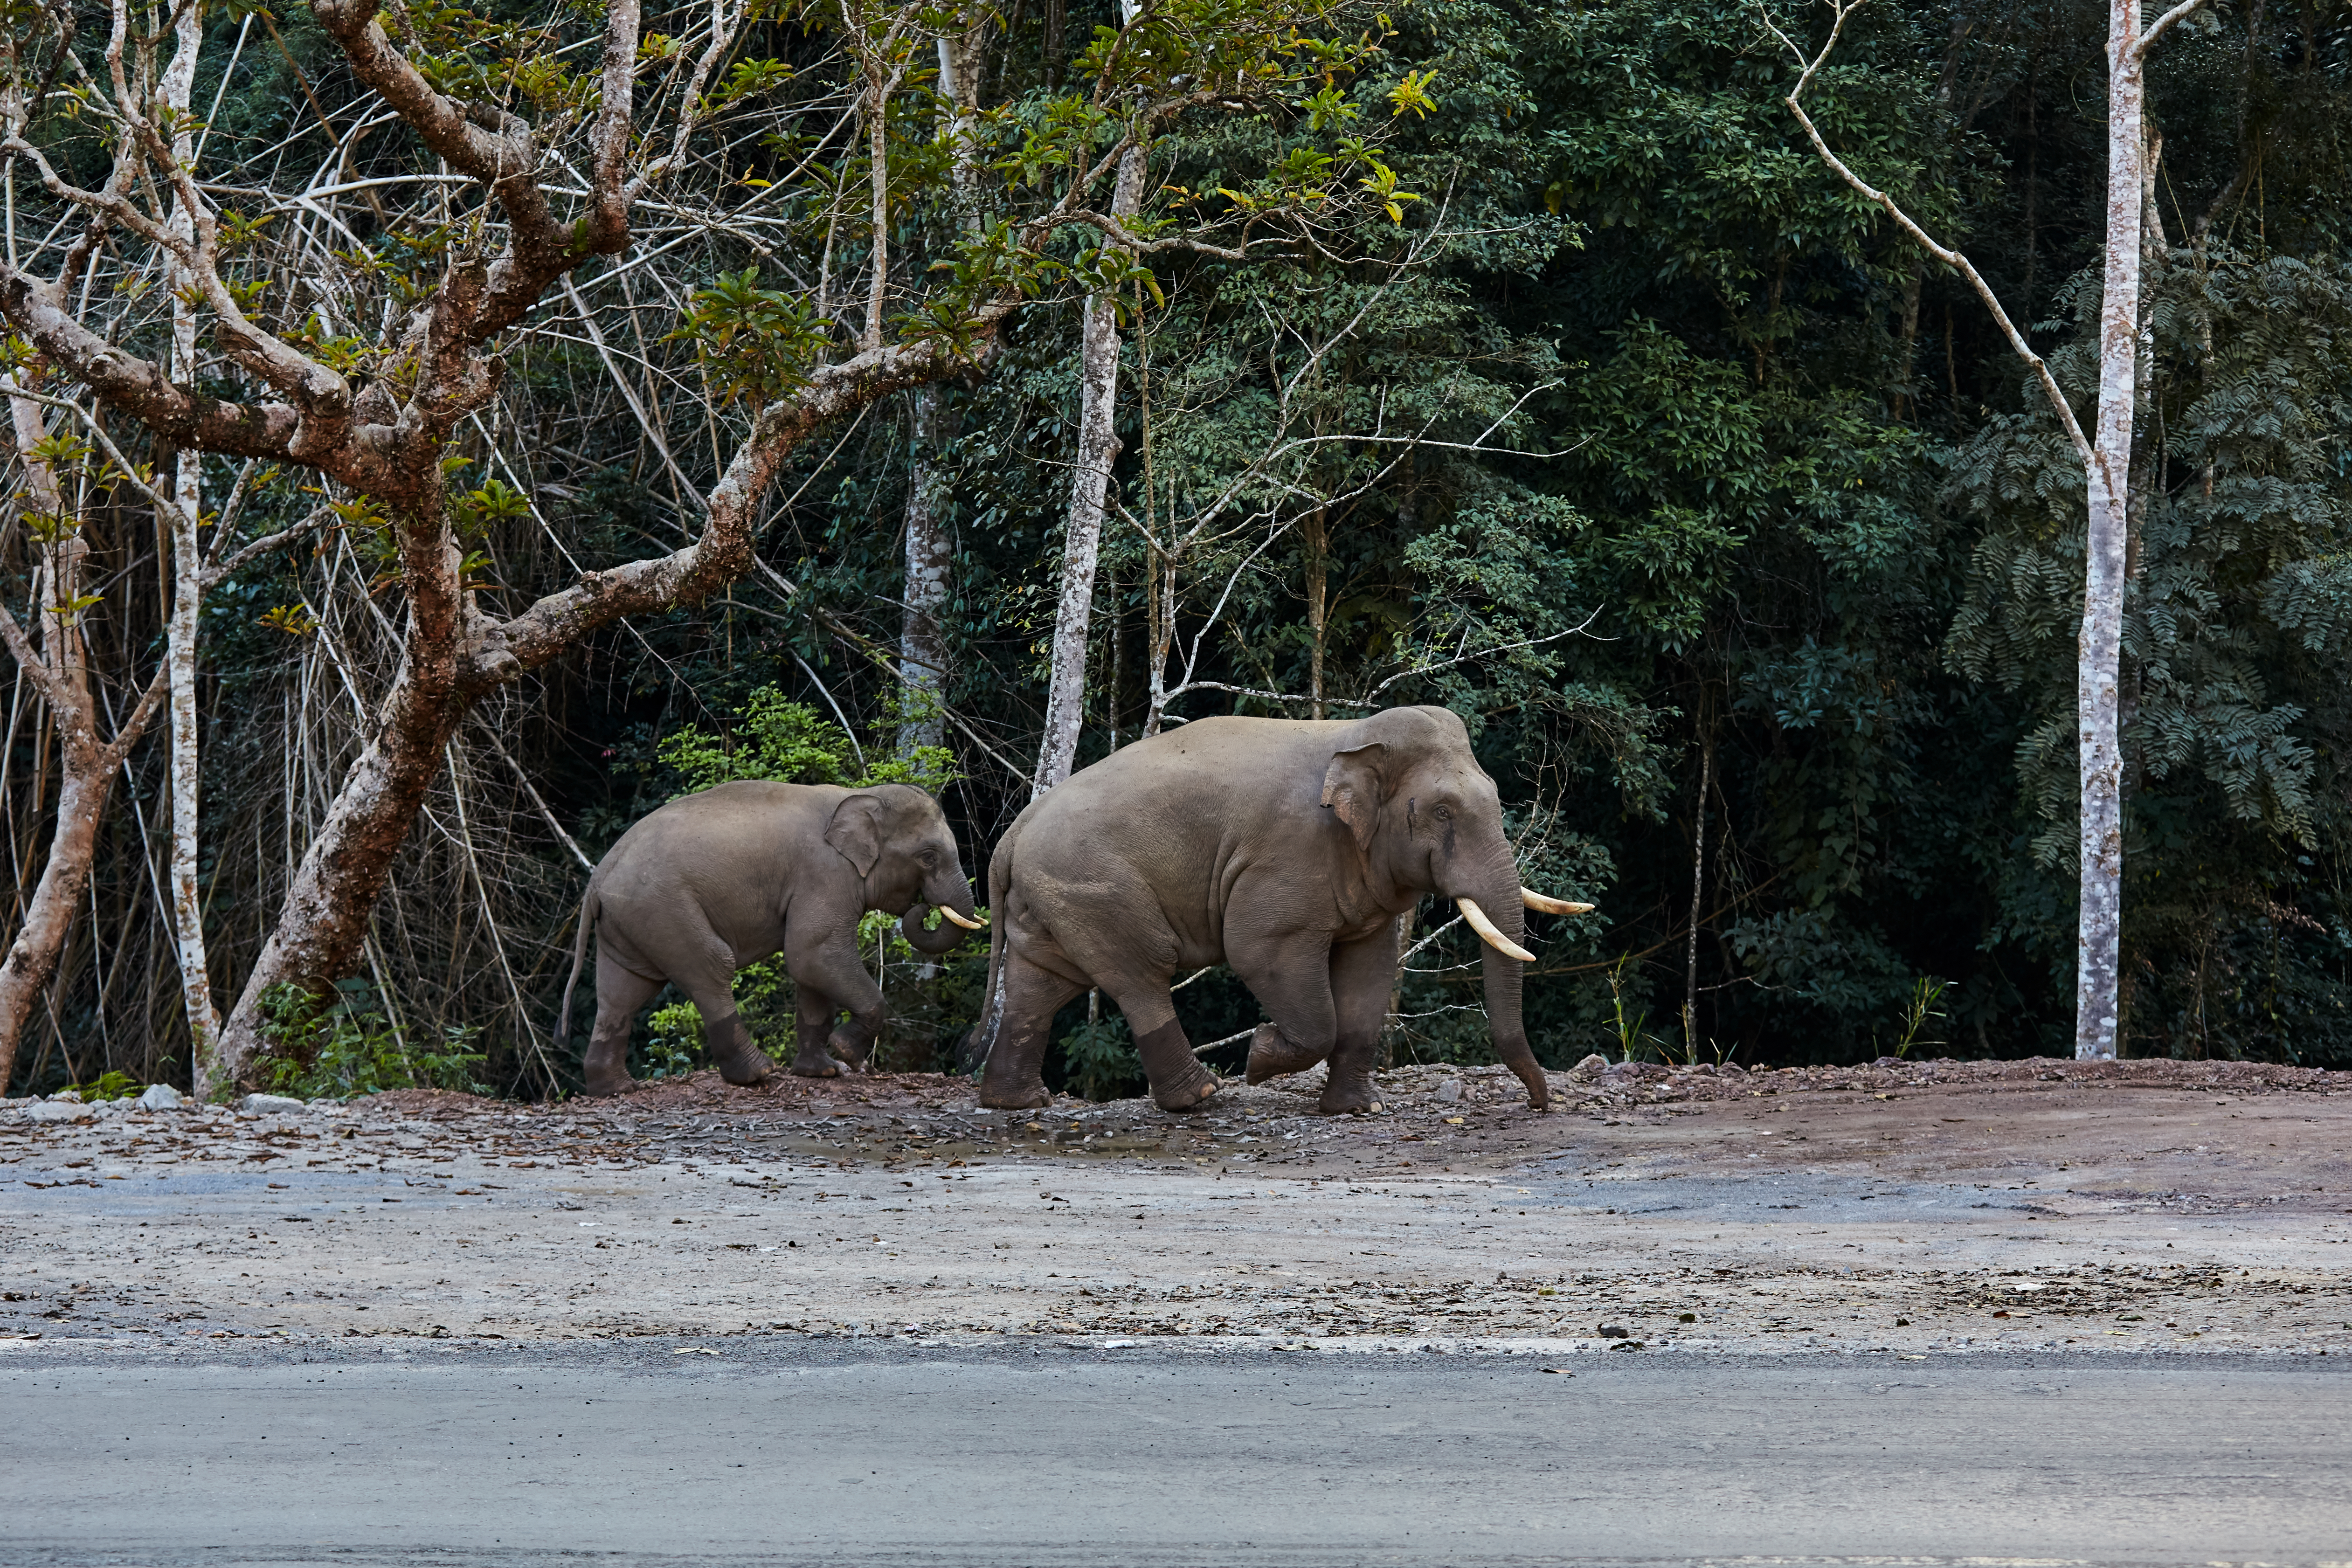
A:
(776, 1449)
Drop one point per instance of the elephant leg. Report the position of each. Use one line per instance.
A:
(1363, 973)
(1292, 980)
(1013, 1032)
(834, 970)
(812, 1023)
(1272, 1053)
(738, 1057)
(1132, 957)
(619, 994)
(1179, 1081)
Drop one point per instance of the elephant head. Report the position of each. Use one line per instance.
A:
(1426, 818)
(902, 849)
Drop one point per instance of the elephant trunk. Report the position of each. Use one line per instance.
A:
(1501, 914)
(945, 893)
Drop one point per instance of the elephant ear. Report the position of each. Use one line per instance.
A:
(856, 832)
(1351, 788)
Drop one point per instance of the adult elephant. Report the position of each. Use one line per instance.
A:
(1284, 848)
(725, 877)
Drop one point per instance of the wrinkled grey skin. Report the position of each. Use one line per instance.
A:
(724, 878)
(1285, 848)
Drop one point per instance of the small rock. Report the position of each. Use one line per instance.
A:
(161, 1097)
(59, 1110)
(1590, 1067)
(66, 1097)
(263, 1105)
(1450, 1090)
(1611, 1331)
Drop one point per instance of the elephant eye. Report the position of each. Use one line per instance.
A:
(1444, 814)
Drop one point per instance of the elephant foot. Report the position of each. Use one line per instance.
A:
(1179, 1081)
(816, 1063)
(850, 1053)
(1028, 1097)
(1187, 1095)
(1272, 1054)
(746, 1068)
(744, 1075)
(1538, 1086)
(603, 1084)
(1352, 1094)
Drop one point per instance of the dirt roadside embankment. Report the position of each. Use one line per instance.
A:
(1908, 1208)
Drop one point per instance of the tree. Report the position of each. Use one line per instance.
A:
(88, 759)
(376, 414)
(2106, 458)
(1297, 206)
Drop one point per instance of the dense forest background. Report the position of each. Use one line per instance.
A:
(1723, 517)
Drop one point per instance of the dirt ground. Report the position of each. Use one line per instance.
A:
(1910, 1207)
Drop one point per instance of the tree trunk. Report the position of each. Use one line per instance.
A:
(922, 647)
(59, 669)
(1159, 631)
(1699, 894)
(48, 917)
(187, 593)
(1318, 565)
(930, 551)
(87, 778)
(1065, 688)
(2099, 666)
(324, 922)
(1904, 398)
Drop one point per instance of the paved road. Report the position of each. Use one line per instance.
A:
(779, 1451)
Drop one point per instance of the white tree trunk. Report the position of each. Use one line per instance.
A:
(2106, 454)
(2099, 666)
(187, 594)
(931, 552)
(1099, 445)
(922, 648)
(60, 668)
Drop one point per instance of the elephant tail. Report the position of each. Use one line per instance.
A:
(591, 905)
(972, 1055)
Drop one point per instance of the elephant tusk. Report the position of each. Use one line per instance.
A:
(1542, 905)
(1488, 935)
(960, 920)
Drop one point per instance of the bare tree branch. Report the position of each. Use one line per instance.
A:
(1840, 10)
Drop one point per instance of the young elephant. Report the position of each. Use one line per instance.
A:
(725, 877)
(1286, 849)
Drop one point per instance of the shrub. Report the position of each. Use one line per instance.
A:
(341, 1045)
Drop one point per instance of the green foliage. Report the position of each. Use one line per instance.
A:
(773, 738)
(109, 1085)
(343, 1045)
(2236, 711)
(753, 343)
(1100, 1059)
(674, 1044)
(930, 1001)
(1923, 1008)
(789, 742)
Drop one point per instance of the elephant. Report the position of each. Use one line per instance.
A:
(1285, 848)
(725, 877)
